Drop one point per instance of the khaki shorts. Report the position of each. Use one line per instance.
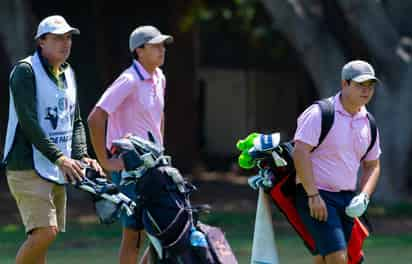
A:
(41, 203)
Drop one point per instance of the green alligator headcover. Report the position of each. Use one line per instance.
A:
(245, 161)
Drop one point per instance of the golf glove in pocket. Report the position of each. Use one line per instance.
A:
(358, 205)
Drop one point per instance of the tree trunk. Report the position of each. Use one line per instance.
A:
(303, 26)
(181, 114)
(15, 18)
(15, 43)
(399, 12)
(302, 22)
(393, 97)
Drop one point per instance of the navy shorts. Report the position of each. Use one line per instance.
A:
(133, 221)
(334, 234)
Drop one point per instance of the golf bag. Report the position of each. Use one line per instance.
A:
(168, 217)
(279, 182)
(277, 175)
(108, 200)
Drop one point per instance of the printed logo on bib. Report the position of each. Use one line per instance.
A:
(63, 113)
(60, 137)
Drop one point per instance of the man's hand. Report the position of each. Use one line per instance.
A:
(317, 207)
(71, 169)
(94, 165)
(358, 205)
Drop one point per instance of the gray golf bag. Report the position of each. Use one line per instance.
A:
(108, 200)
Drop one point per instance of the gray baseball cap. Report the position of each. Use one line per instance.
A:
(55, 25)
(358, 71)
(147, 34)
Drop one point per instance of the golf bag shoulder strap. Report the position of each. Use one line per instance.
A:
(327, 108)
(374, 133)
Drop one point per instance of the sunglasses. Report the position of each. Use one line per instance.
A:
(368, 83)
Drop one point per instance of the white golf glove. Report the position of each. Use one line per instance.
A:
(358, 205)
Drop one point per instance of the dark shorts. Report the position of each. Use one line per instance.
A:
(133, 221)
(334, 234)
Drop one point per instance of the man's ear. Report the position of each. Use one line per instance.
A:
(39, 43)
(138, 50)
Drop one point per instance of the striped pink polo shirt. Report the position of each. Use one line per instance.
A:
(337, 159)
(134, 103)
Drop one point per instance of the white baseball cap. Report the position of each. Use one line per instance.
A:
(147, 34)
(54, 25)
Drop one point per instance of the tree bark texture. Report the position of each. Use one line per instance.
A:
(303, 24)
(15, 41)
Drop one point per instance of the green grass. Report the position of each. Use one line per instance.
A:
(400, 209)
(97, 244)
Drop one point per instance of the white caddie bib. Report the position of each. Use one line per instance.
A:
(55, 113)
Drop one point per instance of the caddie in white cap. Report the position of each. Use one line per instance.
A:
(133, 104)
(55, 25)
(45, 144)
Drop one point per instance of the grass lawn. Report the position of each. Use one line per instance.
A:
(95, 243)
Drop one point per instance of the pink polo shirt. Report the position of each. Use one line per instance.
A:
(134, 103)
(336, 161)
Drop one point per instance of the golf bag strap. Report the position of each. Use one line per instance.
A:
(327, 108)
(374, 133)
(170, 226)
(286, 205)
(187, 226)
(358, 235)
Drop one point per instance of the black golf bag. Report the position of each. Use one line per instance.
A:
(167, 214)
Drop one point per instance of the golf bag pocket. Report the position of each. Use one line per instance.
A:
(166, 211)
(219, 247)
(358, 235)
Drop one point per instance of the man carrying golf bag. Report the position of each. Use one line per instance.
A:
(315, 188)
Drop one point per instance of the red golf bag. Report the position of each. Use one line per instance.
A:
(282, 193)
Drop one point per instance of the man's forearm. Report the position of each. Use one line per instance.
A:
(162, 126)
(97, 127)
(79, 143)
(370, 176)
(304, 172)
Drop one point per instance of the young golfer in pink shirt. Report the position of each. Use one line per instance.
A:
(133, 104)
(327, 177)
